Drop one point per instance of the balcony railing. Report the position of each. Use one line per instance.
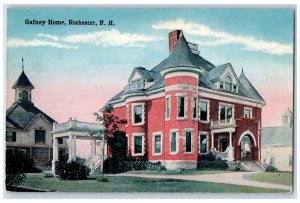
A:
(222, 123)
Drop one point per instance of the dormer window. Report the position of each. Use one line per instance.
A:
(136, 84)
(228, 83)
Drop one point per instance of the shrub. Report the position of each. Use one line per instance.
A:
(207, 157)
(102, 179)
(73, 170)
(130, 165)
(212, 165)
(48, 175)
(16, 166)
(270, 168)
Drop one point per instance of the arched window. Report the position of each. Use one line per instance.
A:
(228, 83)
(24, 95)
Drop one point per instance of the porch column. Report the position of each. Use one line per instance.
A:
(72, 147)
(93, 151)
(230, 139)
(212, 141)
(55, 153)
(230, 148)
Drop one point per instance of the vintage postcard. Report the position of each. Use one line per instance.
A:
(182, 100)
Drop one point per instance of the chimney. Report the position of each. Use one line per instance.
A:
(173, 38)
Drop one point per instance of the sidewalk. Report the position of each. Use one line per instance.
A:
(235, 178)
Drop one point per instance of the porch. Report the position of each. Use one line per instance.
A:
(73, 130)
(222, 147)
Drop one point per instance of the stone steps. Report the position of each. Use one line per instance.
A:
(253, 166)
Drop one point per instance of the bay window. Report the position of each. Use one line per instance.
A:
(168, 108)
(182, 106)
(194, 107)
(174, 142)
(138, 144)
(157, 143)
(138, 114)
(188, 141)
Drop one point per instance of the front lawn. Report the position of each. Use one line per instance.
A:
(177, 172)
(283, 178)
(135, 184)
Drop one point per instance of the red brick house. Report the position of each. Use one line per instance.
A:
(186, 106)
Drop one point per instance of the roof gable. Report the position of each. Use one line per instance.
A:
(21, 113)
(221, 72)
(135, 75)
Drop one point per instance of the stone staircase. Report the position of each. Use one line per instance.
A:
(94, 163)
(253, 166)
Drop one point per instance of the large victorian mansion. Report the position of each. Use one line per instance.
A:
(186, 106)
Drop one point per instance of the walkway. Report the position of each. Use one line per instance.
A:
(235, 178)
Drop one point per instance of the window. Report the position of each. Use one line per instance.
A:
(173, 142)
(181, 107)
(60, 140)
(221, 85)
(203, 111)
(247, 112)
(11, 136)
(225, 112)
(136, 84)
(157, 144)
(203, 144)
(40, 136)
(228, 83)
(138, 144)
(194, 107)
(168, 108)
(234, 88)
(272, 161)
(24, 95)
(138, 113)
(188, 142)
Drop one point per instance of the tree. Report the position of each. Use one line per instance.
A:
(111, 124)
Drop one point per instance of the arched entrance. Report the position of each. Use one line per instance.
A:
(248, 149)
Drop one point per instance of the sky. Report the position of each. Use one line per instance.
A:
(76, 69)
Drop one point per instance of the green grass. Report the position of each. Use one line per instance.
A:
(283, 178)
(177, 172)
(135, 184)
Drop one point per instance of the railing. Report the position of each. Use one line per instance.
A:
(222, 123)
(94, 162)
(221, 155)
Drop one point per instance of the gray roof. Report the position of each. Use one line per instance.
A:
(277, 136)
(22, 112)
(217, 71)
(182, 56)
(145, 74)
(22, 81)
(247, 88)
